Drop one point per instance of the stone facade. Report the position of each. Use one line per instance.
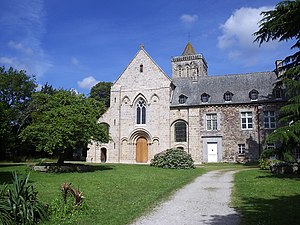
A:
(222, 119)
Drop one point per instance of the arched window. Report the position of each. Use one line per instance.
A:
(187, 71)
(141, 111)
(179, 71)
(180, 131)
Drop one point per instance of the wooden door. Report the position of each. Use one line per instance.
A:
(141, 150)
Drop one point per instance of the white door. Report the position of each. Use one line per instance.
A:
(212, 152)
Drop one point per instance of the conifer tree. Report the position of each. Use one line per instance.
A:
(283, 24)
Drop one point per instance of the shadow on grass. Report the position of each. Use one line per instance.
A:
(69, 168)
(230, 219)
(280, 176)
(277, 211)
(5, 177)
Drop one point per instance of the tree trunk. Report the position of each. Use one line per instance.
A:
(61, 158)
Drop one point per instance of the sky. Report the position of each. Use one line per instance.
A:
(76, 44)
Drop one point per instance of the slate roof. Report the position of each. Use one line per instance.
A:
(189, 50)
(215, 86)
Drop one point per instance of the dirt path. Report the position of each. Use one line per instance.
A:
(205, 201)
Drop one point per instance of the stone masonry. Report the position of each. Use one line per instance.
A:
(146, 105)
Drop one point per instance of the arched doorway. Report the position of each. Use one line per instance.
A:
(103, 154)
(141, 150)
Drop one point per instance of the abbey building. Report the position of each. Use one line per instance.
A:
(214, 118)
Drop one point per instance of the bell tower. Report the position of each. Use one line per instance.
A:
(189, 65)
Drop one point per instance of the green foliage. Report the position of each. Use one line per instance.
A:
(65, 212)
(264, 164)
(63, 121)
(19, 203)
(267, 153)
(16, 89)
(174, 159)
(282, 24)
(289, 157)
(101, 92)
(114, 193)
(264, 198)
(5, 217)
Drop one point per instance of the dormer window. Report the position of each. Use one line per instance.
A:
(228, 96)
(141, 68)
(182, 99)
(205, 97)
(277, 93)
(253, 95)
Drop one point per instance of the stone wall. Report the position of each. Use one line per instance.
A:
(229, 133)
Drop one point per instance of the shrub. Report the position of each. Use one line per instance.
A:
(267, 153)
(20, 200)
(264, 164)
(289, 157)
(5, 217)
(174, 159)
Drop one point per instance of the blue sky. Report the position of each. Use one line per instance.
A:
(75, 44)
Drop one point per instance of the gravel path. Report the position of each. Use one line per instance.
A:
(205, 201)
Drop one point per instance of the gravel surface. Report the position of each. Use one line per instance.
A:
(204, 201)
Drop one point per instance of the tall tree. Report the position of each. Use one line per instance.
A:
(101, 92)
(283, 24)
(63, 122)
(16, 89)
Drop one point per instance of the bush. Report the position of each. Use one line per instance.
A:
(267, 153)
(19, 203)
(289, 157)
(5, 217)
(174, 159)
(264, 164)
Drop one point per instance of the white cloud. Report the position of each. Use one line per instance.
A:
(20, 47)
(187, 18)
(239, 28)
(74, 61)
(87, 82)
(12, 62)
(236, 39)
(25, 22)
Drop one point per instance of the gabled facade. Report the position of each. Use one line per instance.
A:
(214, 118)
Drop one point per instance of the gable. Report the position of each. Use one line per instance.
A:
(142, 71)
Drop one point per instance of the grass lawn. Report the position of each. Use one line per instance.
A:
(263, 198)
(114, 193)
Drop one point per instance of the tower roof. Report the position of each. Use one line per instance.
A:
(189, 50)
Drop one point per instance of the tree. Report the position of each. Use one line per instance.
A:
(101, 92)
(283, 24)
(63, 122)
(16, 89)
